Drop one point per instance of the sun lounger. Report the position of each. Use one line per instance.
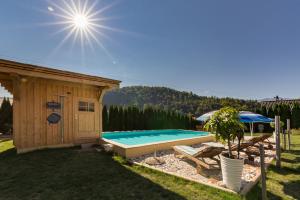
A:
(209, 150)
(251, 142)
(261, 138)
(250, 146)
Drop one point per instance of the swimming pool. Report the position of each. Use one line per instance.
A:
(134, 143)
(151, 136)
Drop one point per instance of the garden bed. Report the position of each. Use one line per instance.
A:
(185, 168)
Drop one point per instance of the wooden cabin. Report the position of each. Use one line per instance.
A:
(53, 108)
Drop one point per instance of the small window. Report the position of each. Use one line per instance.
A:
(83, 106)
(91, 107)
(86, 106)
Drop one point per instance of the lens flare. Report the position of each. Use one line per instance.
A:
(81, 21)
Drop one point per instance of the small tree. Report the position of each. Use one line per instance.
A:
(226, 125)
(272, 124)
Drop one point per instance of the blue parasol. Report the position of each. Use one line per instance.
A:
(245, 117)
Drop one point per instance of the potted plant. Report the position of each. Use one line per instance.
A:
(226, 126)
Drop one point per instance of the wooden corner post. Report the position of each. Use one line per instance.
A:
(277, 132)
(263, 172)
(102, 91)
(288, 124)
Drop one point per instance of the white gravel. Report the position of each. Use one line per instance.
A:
(187, 169)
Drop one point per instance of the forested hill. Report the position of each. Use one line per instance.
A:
(166, 98)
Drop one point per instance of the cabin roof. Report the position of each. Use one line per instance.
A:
(23, 69)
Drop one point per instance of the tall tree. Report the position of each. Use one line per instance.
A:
(111, 119)
(132, 118)
(104, 119)
(169, 99)
(6, 116)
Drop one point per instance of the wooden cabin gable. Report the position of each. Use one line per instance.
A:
(50, 111)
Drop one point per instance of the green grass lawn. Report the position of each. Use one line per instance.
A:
(6, 145)
(71, 174)
(283, 183)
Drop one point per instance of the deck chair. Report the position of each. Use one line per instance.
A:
(264, 139)
(250, 146)
(251, 142)
(209, 150)
(261, 138)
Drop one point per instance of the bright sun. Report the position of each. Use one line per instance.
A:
(80, 21)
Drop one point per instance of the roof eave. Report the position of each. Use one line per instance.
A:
(22, 69)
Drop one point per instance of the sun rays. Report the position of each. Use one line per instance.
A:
(81, 22)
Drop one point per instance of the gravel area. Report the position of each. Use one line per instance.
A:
(187, 169)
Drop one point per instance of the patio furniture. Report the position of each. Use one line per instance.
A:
(250, 146)
(261, 138)
(208, 150)
(251, 142)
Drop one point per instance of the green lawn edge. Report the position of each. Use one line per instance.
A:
(72, 174)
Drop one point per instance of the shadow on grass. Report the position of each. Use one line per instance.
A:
(292, 188)
(256, 194)
(284, 170)
(295, 152)
(69, 174)
(283, 182)
(295, 146)
(296, 160)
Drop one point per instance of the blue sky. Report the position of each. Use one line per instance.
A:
(244, 49)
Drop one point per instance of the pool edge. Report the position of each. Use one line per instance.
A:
(138, 150)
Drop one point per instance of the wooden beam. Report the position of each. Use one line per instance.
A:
(5, 76)
(16, 86)
(102, 92)
(54, 77)
(54, 74)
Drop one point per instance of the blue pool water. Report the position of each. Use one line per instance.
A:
(151, 136)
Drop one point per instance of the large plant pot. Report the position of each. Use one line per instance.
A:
(232, 170)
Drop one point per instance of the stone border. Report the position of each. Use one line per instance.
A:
(242, 192)
(250, 185)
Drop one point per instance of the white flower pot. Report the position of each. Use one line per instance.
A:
(232, 170)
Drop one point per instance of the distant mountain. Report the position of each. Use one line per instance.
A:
(166, 98)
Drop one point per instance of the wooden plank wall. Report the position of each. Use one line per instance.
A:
(31, 129)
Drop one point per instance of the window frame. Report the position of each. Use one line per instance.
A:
(86, 106)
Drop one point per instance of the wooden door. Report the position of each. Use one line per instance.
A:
(87, 119)
(54, 134)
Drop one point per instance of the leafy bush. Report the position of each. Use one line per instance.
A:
(272, 124)
(226, 125)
